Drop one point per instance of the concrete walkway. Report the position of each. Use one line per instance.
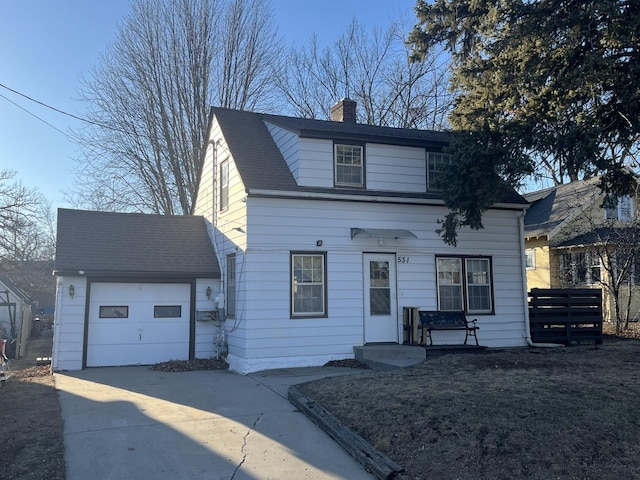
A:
(135, 423)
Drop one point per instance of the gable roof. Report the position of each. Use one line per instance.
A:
(263, 168)
(10, 285)
(554, 206)
(133, 244)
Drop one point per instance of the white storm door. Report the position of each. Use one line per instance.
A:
(380, 303)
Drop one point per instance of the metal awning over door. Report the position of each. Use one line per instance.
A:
(381, 233)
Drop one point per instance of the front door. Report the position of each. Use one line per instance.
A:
(380, 311)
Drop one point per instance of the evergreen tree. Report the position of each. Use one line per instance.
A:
(543, 86)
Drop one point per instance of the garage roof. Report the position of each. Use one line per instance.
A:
(133, 245)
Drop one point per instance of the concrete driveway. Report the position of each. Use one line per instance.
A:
(134, 423)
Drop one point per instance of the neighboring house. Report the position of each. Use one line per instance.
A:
(565, 229)
(325, 230)
(36, 279)
(132, 289)
(15, 316)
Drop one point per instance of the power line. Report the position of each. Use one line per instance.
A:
(34, 115)
(101, 125)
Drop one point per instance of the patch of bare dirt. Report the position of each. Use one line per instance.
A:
(191, 365)
(31, 425)
(346, 363)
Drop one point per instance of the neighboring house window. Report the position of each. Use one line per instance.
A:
(224, 185)
(464, 284)
(580, 268)
(231, 286)
(436, 164)
(620, 209)
(530, 257)
(349, 165)
(308, 285)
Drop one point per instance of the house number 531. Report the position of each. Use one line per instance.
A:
(402, 259)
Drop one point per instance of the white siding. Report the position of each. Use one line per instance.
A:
(271, 338)
(206, 331)
(316, 163)
(68, 326)
(289, 145)
(398, 169)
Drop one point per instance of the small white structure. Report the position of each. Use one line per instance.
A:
(325, 230)
(132, 289)
(15, 316)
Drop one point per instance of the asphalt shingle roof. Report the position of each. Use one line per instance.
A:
(553, 206)
(262, 166)
(133, 244)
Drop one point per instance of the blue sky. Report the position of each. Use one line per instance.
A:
(47, 45)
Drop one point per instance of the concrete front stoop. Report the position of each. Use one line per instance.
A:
(385, 357)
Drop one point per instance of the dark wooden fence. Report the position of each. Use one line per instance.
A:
(565, 315)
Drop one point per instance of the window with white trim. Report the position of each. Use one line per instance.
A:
(464, 283)
(224, 185)
(436, 164)
(349, 165)
(580, 268)
(230, 300)
(618, 209)
(308, 284)
(530, 258)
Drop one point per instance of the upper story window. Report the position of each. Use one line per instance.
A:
(530, 258)
(436, 163)
(618, 209)
(349, 165)
(224, 185)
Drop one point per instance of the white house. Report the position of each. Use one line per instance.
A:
(325, 230)
(322, 230)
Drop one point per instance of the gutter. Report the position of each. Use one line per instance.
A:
(527, 325)
(310, 195)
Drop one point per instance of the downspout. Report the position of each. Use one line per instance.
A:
(525, 303)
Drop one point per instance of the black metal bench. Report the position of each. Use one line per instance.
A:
(430, 321)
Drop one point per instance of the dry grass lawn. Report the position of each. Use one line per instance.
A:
(568, 413)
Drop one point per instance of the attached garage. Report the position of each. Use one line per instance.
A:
(137, 323)
(130, 287)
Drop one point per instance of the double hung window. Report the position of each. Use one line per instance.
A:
(436, 164)
(231, 286)
(224, 185)
(349, 165)
(464, 283)
(308, 285)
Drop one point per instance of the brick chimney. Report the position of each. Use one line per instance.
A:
(344, 111)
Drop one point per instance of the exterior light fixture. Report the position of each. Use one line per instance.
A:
(208, 293)
(72, 291)
(319, 243)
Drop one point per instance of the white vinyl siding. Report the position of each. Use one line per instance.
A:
(393, 168)
(266, 336)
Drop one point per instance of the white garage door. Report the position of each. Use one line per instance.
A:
(138, 323)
